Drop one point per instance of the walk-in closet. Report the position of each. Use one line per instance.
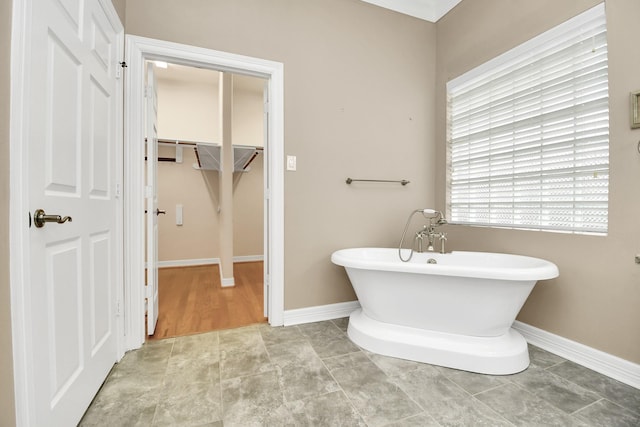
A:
(210, 147)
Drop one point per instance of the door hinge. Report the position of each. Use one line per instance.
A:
(119, 71)
(118, 309)
(148, 191)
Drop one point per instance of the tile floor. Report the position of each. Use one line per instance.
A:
(312, 375)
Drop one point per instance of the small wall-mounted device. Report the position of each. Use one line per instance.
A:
(635, 113)
(178, 214)
(291, 163)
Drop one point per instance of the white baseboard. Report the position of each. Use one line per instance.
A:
(228, 282)
(188, 262)
(248, 258)
(599, 361)
(207, 261)
(319, 313)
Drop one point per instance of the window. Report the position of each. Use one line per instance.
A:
(528, 134)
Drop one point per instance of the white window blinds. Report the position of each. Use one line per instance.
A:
(528, 134)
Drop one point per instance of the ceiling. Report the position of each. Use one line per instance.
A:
(429, 10)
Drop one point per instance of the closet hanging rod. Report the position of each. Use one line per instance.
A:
(402, 181)
(173, 142)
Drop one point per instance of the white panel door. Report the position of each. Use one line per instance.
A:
(70, 113)
(152, 200)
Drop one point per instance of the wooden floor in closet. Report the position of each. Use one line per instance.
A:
(192, 300)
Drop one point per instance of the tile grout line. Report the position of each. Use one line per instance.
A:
(495, 388)
(424, 411)
(334, 378)
(336, 381)
(555, 364)
(585, 407)
(591, 390)
(218, 346)
(163, 382)
(475, 399)
(480, 402)
(582, 388)
(306, 339)
(274, 368)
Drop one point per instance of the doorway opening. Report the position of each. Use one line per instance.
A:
(192, 296)
(139, 51)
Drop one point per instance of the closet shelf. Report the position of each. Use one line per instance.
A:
(209, 154)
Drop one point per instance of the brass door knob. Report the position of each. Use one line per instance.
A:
(40, 218)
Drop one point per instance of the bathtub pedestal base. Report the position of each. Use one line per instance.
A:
(502, 355)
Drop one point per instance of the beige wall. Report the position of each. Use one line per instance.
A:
(248, 111)
(188, 110)
(248, 210)
(120, 7)
(359, 102)
(596, 298)
(197, 191)
(7, 402)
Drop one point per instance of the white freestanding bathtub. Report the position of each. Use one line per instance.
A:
(453, 310)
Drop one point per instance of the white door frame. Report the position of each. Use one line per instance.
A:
(140, 49)
(20, 262)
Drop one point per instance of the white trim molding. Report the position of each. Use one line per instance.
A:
(227, 282)
(188, 262)
(207, 261)
(138, 50)
(599, 361)
(319, 313)
(19, 276)
(248, 258)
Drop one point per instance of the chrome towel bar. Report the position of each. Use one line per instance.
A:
(403, 181)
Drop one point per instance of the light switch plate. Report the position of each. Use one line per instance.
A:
(291, 163)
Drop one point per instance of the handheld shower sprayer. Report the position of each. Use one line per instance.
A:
(427, 213)
(432, 215)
